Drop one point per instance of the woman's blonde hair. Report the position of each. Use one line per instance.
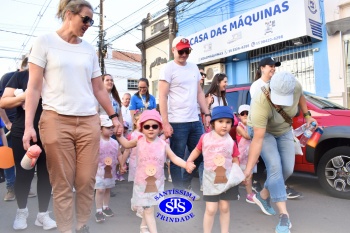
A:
(73, 6)
(136, 117)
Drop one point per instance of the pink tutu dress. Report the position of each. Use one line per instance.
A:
(107, 149)
(214, 147)
(150, 156)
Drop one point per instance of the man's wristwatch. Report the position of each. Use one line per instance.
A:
(113, 115)
(308, 114)
(207, 114)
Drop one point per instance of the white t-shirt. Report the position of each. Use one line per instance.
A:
(68, 71)
(183, 90)
(255, 88)
(126, 116)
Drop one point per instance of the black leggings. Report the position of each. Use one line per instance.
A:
(24, 177)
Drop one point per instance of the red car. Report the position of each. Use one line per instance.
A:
(330, 160)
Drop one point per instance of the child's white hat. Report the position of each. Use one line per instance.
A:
(105, 121)
(243, 107)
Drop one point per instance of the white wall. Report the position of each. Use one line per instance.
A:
(337, 72)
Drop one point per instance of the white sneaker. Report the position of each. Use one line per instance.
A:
(20, 222)
(195, 195)
(44, 220)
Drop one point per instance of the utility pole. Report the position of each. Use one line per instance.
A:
(102, 49)
(172, 26)
(172, 4)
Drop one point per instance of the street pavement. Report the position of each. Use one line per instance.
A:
(316, 212)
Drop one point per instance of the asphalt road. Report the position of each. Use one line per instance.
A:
(316, 212)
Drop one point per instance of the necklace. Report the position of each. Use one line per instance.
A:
(145, 104)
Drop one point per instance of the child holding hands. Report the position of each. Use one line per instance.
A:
(149, 176)
(221, 168)
(106, 171)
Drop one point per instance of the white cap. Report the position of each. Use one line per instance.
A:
(243, 107)
(282, 86)
(105, 121)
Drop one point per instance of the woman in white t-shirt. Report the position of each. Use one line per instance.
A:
(216, 95)
(263, 75)
(64, 70)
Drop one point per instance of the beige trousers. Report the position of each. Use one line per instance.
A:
(72, 147)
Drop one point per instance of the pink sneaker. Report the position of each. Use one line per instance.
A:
(249, 198)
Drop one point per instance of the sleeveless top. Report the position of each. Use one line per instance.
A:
(217, 154)
(107, 149)
(149, 175)
(216, 102)
(243, 147)
(133, 156)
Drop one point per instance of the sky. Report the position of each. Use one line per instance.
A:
(21, 21)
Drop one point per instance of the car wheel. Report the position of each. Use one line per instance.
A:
(334, 172)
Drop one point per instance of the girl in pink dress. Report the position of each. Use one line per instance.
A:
(244, 141)
(106, 170)
(149, 176)
(222, 173)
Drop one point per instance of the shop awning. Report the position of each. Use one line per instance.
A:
(340, 25)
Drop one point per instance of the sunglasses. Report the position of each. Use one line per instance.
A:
(203, 74)
(142, 87)
(182, 51)
(244, 113)
(87, 19)
(147, 127)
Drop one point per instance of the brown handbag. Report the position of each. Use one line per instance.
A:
(278, 109)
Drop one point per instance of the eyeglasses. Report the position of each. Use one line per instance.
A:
(142, 87)
(87, 19)
(182, 51)
(147, 127)
(203, 74)
(244, 113)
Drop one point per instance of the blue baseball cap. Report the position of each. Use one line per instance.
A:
(220, 112)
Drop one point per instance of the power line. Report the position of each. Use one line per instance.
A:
(18, 33)
(130, 14)
(35, 24)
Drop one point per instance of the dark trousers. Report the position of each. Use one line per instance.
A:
(24, 177)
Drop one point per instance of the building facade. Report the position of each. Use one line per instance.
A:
(232, 36)
(337, 14)
(125, 68)
(154, 49)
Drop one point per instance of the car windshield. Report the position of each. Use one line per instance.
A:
(322, 102)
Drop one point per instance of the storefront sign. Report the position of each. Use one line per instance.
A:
(269, 24)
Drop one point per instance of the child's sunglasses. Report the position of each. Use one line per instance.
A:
(244, 113)
(147, 127)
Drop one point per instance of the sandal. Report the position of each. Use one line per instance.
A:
(144, 228)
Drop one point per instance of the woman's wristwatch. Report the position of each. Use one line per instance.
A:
(113, 115)
(307, 114)
(207, 114)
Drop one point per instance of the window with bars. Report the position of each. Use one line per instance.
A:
(299, 62)
(133, 84)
